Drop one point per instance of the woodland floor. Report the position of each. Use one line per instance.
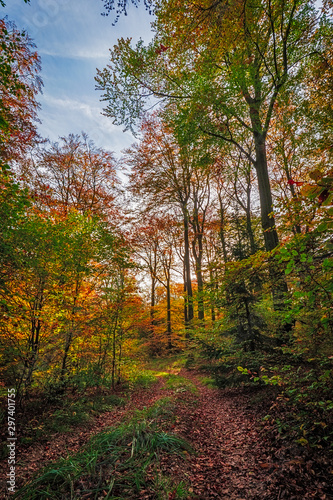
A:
(234, 456)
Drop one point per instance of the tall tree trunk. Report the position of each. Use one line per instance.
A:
(152, 303)
(297, 228)
(189, 292)
(185, 297)
(113, 369)
(212, 288)
(120, 353)
(168, 294)
(36, 326)
(265, 194)
(198, 271)
(69, 338)
(34, 346)
(279, 285)
(70, 333)
(221, 232)
(249, 229)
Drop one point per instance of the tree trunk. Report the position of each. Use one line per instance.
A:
(66, 350)
(169, 329)
(265, 194)
(185, 297)
(198, 271)
(212, 301)
(70, 333)
(249, 229)
(189, 292)
(222, 237)
(113, 370)
(120, 354)
(279, 285)
(152, 303)
(36, 326)
(34, 345)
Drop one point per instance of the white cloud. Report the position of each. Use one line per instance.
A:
(73, 39)
(63, 116)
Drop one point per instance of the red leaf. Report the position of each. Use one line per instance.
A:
(323, 196)
(172, 495)
(162, 48)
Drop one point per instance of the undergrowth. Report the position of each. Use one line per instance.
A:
(299, 388)
(179, 384)
(117, 463)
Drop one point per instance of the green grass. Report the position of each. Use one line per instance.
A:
(81, 412)
(144, 378)
(105, 403)
(167, 364)
(180, 384)
(65, 417)
(208, 381)
(119, 461)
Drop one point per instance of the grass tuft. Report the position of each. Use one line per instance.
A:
(114, 461)
(180, 384)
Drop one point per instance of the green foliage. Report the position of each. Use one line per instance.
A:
(302, 389)
(106, 402)
(90, 376)
(308, 265)
(63, 412)
(49, 298)
(228, 369)
(13, 203)
(304, 410)
(67, 418)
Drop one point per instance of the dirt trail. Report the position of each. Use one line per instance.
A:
(234, 460)
(38, 455)
(230, 462)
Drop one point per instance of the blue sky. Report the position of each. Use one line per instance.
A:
(73, 39)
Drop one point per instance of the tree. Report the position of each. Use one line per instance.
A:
(121, 6)
(114, 301)
(144, 240)
(13, 204)
(161, 170)
(73, 174)
(19, 86)
(64, 267)
(175, 175)
(224, 65)
(153, 245)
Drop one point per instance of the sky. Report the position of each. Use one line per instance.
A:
(73, 39)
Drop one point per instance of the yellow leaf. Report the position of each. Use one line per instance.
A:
(315, 174)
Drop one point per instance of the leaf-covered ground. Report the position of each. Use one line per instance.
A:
(39, 454)
(235, 459)
(234, 456)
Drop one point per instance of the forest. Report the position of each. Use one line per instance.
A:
(154, 304)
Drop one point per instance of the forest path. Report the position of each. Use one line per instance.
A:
(60, 445)
(232, 458)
